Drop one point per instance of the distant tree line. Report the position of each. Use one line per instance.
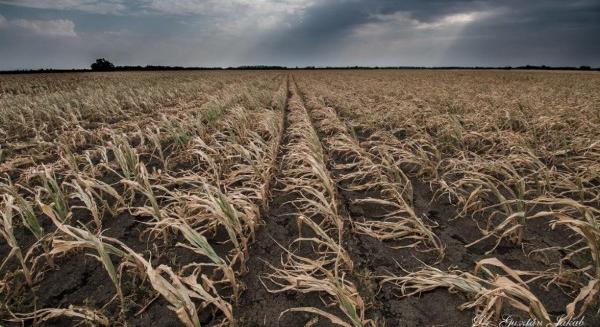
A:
(103, 65)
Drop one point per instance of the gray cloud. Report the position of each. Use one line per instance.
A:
(552, 33)
(309, 32)
(54, 28)
(442, 33)
(47, 28)
(91, 6)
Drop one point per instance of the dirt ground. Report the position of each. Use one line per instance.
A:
(81, 280)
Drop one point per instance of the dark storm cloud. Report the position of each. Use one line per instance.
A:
(317, 29)
(500, 33)
(553, 33)
(321, 27)
(300, 32)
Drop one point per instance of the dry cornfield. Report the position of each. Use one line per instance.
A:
(299, 198)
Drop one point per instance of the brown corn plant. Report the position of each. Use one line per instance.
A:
(486, 293)
(7, 232)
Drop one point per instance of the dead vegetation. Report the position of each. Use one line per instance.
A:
(137, 198)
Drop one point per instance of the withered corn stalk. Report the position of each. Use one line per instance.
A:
(486, 293)
(91, 316)
(304, 275)
(7, 232)
(583, 221)
(357, 171)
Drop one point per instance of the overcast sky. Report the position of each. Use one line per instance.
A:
(72, 33)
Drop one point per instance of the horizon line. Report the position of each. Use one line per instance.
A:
(308, 67)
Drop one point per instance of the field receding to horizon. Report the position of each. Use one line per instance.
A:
(300, 198)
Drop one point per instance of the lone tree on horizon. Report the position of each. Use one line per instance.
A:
(102, 65)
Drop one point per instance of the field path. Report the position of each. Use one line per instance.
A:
(258, 307)
(362, 249)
